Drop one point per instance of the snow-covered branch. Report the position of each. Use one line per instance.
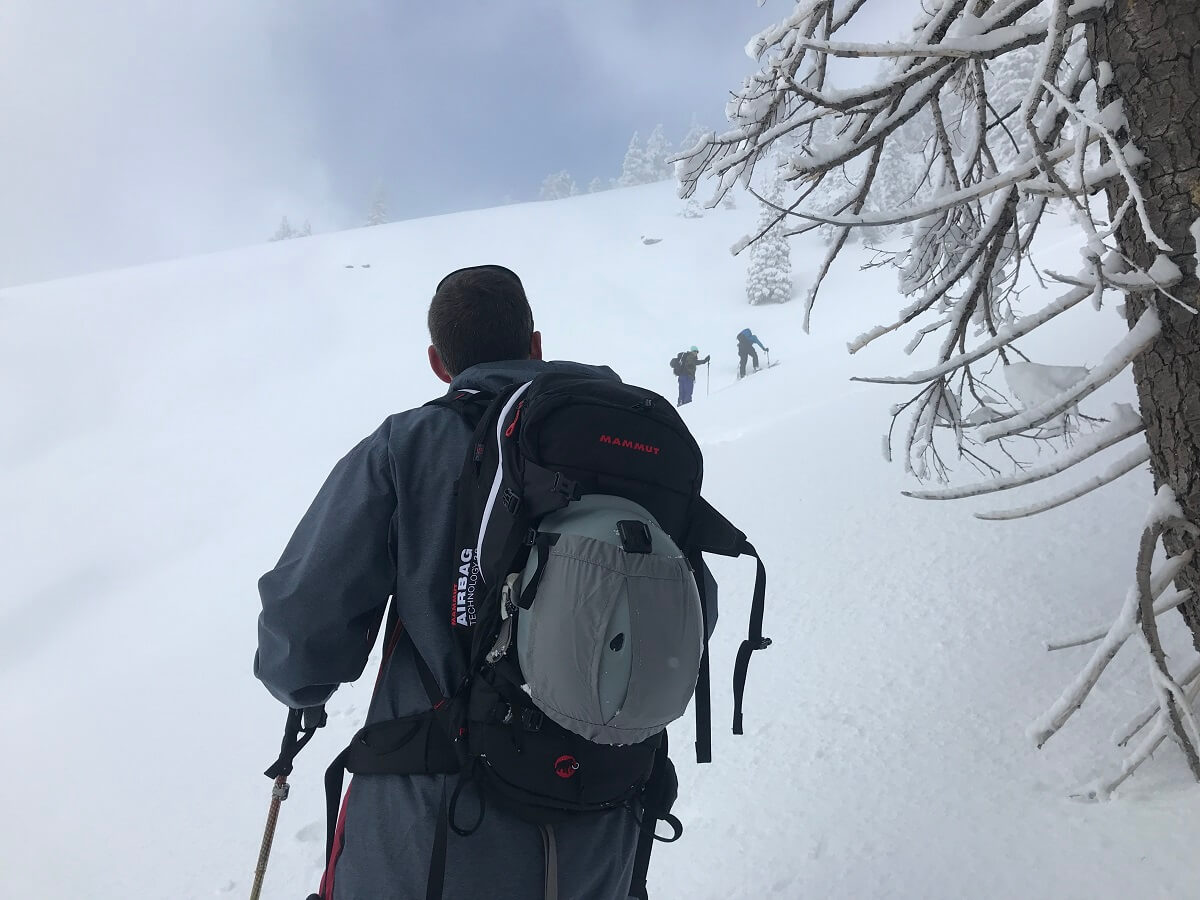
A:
(1103, 790)
(1121, 467)
(1021, 171)
(1128, 732)
(1165, 603)
(1124, 424)
(1050, 722)
(1127, 349)
(1171, 695)
(1002, 338)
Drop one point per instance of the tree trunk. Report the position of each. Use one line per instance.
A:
(1152, 48)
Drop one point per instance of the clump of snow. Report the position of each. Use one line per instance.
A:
(1165, 506)
(1163, 270)
(1033, 383)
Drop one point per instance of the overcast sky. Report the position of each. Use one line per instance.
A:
(136, 130)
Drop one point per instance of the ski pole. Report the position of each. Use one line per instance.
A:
(279, 793)
(707, 379)
(301, 725)
(768, 353)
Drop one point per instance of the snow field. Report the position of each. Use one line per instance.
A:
(169, 424)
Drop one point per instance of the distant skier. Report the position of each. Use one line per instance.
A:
(746, 340)
(684, 366)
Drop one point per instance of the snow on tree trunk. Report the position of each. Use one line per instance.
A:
(1150, 46)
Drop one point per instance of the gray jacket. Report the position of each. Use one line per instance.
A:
(382, 526)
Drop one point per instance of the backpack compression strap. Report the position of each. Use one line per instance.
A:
(703, 696)
(754, 639)
(711, 532)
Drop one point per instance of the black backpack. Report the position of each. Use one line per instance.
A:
(538, 448)
(677, 362)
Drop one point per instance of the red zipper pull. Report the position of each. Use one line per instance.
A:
(512, 426)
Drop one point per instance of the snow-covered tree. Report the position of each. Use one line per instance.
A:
(596, 185)
(769, 278)
(558, 186)
(379, 211)
(635, 169)
(692, 209)
(694, 136)
(1022, 102)
(305, 230)
(285, 231)
(658, 150)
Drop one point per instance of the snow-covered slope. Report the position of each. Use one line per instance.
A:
(164, 428)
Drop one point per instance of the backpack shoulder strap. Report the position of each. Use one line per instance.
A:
(468, 403)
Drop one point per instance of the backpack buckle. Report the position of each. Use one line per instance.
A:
(511, 501)
(635, 536)
(532, 719)
(568, 487)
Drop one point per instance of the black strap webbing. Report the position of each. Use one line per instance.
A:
(437, 857)
(543, 542)
(703, 696)
(754, 639)
(550, 851)
(413, 745)
(704, 709)
(657, 800)
(641, 865)
(334, 778)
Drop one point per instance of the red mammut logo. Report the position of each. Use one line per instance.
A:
(566, 766)
(628, 444)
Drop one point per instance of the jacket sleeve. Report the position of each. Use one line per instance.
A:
(323, 602)
(759, 342)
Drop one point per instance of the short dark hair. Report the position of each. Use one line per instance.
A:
(480, 314)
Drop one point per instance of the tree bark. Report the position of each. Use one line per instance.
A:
(1151, 46)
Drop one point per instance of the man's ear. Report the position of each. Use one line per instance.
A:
(535, 346)
(439, 367)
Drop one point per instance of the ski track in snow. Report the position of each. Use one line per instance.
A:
(174, 421)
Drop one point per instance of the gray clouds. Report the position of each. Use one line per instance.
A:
(139, 130)
(135, 130)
